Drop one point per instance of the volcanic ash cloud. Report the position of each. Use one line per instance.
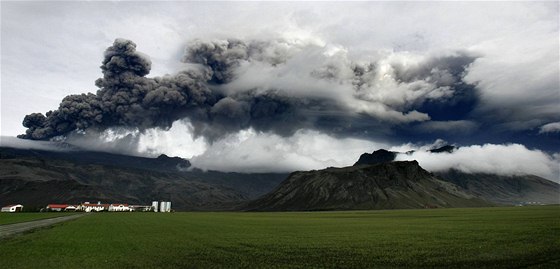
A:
(274, 86)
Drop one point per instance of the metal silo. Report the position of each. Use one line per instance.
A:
(168, 206)
(155, 206)
(162, 206)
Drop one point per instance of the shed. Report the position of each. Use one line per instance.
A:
(60, 207)
(12, 208)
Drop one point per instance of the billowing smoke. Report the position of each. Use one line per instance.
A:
(277, 87)
(125, 98)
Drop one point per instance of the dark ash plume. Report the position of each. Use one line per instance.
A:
(127, 98)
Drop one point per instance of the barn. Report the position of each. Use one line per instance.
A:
(60, 207)
(12, 208)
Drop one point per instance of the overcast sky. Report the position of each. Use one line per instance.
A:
(470, 73)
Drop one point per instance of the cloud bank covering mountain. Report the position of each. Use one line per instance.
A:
(507, 160)
(233, 90)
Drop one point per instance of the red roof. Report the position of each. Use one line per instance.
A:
(96, 205)
(57, 206)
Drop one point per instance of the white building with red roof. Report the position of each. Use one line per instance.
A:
(98, 207)
(60, 207)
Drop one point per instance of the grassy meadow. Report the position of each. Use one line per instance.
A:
(448, 238)
(10, 218)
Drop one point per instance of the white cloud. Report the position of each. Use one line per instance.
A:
(553, 127)
(418, 147)
(518, 72)
(510, 159)
(177, 141)
(249, 151)
(245, 151)
(114, 140)
(325, 71)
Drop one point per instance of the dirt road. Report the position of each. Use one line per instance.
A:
(13, 229)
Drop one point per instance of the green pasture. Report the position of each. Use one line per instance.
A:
(513, 237)
(9, 218)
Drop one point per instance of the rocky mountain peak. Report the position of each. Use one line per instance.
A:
(399, 184)
(376, 157)
(173, 162)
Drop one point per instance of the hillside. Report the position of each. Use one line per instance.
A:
(36, 177)
(72, 175)
(510, 190)
(76, 155)
(499, 189)
(381, 186)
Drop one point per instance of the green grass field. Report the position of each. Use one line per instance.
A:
(9, 218)
(446, 238)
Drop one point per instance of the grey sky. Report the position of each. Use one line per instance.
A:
(53, 49)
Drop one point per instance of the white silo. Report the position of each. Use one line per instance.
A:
(168, 206)
(162, 206)
(155, 206)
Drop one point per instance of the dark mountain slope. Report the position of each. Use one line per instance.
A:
(37, 182)
(36, 177)
(382, 186)
(510, 190)
(163, 163)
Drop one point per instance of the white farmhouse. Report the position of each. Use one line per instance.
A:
(119, 207)
(87, 207)
(12, 208)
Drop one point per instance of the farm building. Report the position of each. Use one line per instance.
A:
(60, 207)
(12, 208)
(87, 207)
(119, 207)
(141, 208)
(164, 206)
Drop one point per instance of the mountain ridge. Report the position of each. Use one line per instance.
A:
(499, 189)
(392, 185)
(38, 177)
(506, 190)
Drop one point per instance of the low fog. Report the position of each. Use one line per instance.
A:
(508, 159)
